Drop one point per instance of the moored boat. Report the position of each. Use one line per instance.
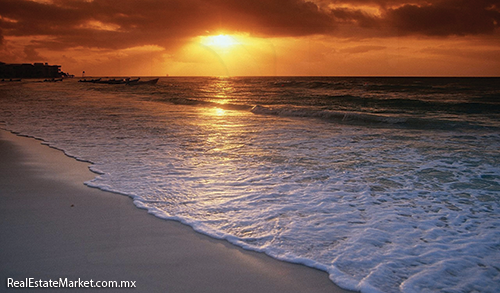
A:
(90, 80)
(10, 79)
(137, 82)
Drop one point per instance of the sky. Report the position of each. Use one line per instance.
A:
(255, 37)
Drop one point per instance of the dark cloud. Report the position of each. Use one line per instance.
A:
(429, 18)
(444, 18)
(125, 23)
(161, 22)
(32, 55)
(356, 17)
(168, 23)
(32, 18)
(362, 49)
(276, 18)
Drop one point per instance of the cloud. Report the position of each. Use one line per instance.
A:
(445, 18)
(59, 25)
(277, 18)
(76, 23)
(110, 24)
(32, 54)
(484, 54)
(362, 49)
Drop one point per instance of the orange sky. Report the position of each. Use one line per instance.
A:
(255, 37)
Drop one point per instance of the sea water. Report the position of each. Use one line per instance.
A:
(388, 184)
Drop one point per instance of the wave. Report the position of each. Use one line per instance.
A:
(397, 94)
(313, 84)
(482, 105)
(438, 84)
(348, 102)
(367, 119)
(384, 117)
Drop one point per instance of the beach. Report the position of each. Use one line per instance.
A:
(53, 226)
(373, 184)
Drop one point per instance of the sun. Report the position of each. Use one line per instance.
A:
(223, 54)
(220, 41)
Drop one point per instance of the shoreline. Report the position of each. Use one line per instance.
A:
(54, 226)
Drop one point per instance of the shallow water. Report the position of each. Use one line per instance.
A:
(390, 185)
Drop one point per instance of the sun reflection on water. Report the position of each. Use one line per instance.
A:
(219, 112)
(221, 91)
(223, 136)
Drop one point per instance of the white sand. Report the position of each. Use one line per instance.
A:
(52, 226)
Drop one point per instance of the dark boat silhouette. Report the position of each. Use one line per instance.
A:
(137, 82)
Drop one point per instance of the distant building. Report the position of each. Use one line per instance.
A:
(26, 70)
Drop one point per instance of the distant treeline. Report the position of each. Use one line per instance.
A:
(27, 70)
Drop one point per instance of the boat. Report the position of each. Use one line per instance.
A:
(53, 80)
(133, 80)
(138, 82)
(100, 81)
(90, 80)
(118, 81)
(115, 81)
(111, 81)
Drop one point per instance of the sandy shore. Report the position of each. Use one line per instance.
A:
(52, 226)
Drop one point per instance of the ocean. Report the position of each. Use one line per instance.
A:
(388, 184)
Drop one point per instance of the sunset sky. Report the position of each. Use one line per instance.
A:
(255, 37)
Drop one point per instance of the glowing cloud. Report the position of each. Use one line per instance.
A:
(219, 41)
